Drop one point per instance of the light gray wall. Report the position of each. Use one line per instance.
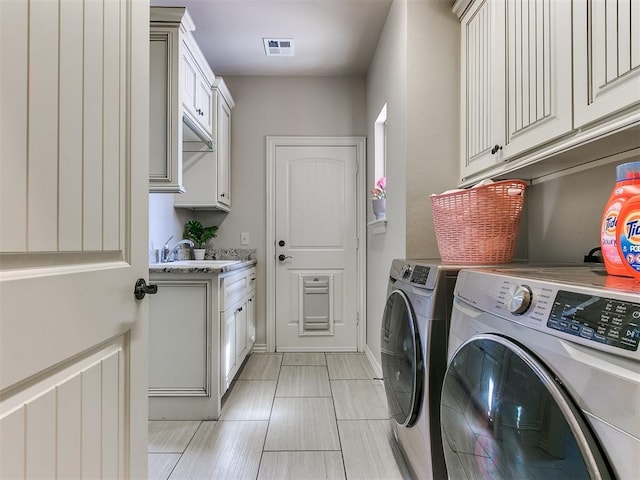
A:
(164, 220)
(564, 214)
(433, 116)
(387, 83)
(415, 70)
(277, 106)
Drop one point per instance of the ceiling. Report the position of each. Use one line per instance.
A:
(331, 37)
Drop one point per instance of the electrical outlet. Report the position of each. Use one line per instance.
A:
(244, 238)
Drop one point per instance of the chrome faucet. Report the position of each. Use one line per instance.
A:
(171, 256)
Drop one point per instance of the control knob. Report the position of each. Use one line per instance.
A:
(518, 299)
(406, 271)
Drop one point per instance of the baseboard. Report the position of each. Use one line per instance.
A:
(319, 349)
(377, 369)
(259, 348)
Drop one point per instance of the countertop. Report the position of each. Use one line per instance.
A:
(200, 266)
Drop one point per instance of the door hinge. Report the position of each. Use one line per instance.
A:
(357, 319)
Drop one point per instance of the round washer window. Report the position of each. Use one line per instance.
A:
(505, 417)
(402, 364)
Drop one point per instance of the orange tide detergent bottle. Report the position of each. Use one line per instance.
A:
(627, 186)
(628, 236)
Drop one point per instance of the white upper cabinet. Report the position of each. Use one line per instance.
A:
(482, 86)
(606, 59)
(180, 97)
(546, 85)
(165, 117)
(206, 172)
(516, 79)
(196, 92)
(538, 69)
(223, 103)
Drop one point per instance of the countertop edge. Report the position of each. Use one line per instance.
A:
(240, 264)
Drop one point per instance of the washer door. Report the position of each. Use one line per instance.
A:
(401, 356)
(505, 416)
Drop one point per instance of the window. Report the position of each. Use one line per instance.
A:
(380, 144)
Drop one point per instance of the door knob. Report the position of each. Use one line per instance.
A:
(141, 289)
(281, 243)
(282, 257)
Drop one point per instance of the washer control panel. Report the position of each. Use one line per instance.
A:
(420, 274)
(604, 320)
(598, 317)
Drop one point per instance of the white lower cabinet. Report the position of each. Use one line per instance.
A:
(179, 344)
(237, 320)
(228, 348)
(201, 328)
(251, 320)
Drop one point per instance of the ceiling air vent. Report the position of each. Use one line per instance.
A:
(278, 47)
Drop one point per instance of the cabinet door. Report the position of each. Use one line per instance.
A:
(203, 104)
(228, 348)
(165, 112)
(179, 333)
(224, 151)
(251, 321)
(606, 60)
(241, 333)
(538, 90)
(199, 177)
(482, 86)
(189, 82)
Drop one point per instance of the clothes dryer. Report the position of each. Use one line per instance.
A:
(413, 353)
(543, 376)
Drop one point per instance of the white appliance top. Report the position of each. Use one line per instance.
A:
(581, 304)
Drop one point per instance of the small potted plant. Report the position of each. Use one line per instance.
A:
(199, 235)
(378, 198)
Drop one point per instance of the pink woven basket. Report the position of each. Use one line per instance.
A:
(479, 225)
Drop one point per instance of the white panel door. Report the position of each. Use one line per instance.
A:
(73, 233)
(315, 234)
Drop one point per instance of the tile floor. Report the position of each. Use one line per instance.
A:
(288, 416)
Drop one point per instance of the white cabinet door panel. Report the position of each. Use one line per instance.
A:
(482, 94)
(606, 60)
(179, 339)
(538, 93)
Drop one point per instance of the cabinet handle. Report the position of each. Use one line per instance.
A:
(222, 195)
(251, 299)
(239, 309)
(496, 149)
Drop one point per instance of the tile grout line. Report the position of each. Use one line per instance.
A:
(185, 449)
(264, 442)
(335, 414)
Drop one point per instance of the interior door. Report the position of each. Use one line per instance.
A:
(316, 248)
(73, 233)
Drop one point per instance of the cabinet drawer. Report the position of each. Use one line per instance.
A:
(233, 288)
(251, 280)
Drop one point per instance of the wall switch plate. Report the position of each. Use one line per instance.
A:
(244, 238)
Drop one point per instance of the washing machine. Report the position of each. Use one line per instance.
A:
(414, 357)
(543, 375)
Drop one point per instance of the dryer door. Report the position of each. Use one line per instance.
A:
(401, 355)
(504, 416)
